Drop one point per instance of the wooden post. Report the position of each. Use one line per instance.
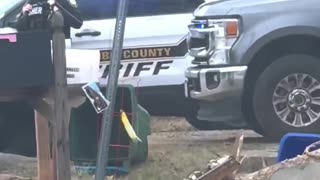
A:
(44, 136)
(43, 147)
(61, 107)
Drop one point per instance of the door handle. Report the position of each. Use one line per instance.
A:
(88, 32)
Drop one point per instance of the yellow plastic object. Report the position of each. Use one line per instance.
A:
(132, 134)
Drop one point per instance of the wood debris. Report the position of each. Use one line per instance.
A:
(12, 177)
(226, 167)
(238, 146)
(223, 168)
(301, 161)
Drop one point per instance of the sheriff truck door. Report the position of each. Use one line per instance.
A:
(154, 52)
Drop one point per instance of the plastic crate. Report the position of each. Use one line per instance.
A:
(294, 144)
(85, 128)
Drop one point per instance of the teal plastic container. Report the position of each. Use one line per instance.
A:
(85, 127)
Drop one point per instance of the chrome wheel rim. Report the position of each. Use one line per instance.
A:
(296, 100)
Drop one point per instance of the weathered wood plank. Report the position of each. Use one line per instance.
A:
(223, 171)
(43, 147)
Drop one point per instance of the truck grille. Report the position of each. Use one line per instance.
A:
(199, 42)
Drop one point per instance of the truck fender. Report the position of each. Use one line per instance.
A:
(269, 29)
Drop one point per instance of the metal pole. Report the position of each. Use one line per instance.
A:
(111, 90)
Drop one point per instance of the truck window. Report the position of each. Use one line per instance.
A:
(161, 7)
(9, 10)
(106, 9)
(12, 16)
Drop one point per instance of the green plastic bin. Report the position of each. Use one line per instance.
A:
(85, 127)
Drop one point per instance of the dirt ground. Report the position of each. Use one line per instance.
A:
(175, 151)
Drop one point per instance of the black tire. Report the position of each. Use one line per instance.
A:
(265, 113)
(249, 116)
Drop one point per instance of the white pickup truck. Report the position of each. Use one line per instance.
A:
(155, 56)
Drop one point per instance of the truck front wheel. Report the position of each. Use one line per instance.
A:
(287, 96)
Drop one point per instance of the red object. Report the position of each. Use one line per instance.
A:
(121, 141)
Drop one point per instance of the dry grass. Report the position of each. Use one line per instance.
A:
(169, 124)
(171, 162)
(172, 156)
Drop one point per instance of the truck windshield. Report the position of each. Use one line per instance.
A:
(106, 9)
(6, 5)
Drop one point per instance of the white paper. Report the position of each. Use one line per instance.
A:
(82, 66)
(97, 99)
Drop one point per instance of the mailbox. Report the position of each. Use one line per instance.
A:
(25, 60)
